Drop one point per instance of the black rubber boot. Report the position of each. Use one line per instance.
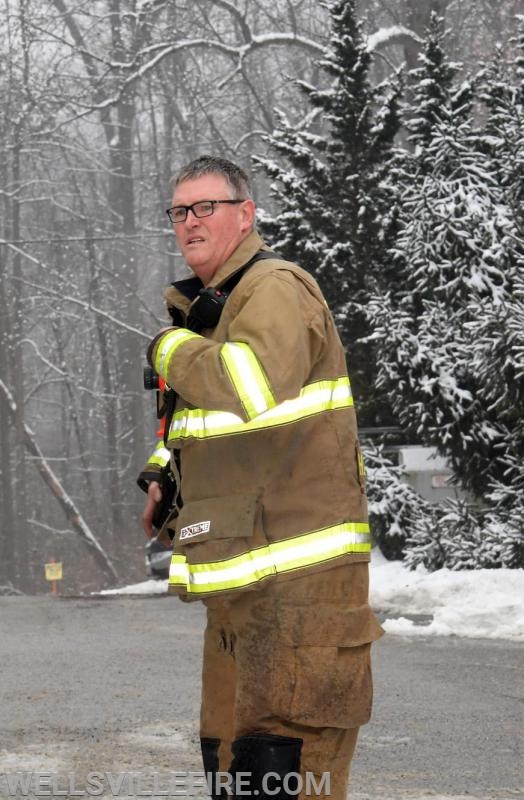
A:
(209, 749)
(269, 763)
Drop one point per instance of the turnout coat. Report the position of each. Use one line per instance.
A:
(272, 481)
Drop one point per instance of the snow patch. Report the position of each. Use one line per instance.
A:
(31, 760)
(145, 588)
(482, 603)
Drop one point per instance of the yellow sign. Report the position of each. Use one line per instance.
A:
(53, 571)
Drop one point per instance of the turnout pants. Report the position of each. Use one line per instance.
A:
(287, 683)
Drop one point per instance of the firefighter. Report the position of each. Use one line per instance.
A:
(270, 525)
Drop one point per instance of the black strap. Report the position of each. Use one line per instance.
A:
(207, 308)
(262, 255)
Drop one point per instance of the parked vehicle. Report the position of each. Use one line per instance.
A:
(158, 559)
(428, 473)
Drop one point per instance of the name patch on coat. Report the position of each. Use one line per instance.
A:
(195, 530)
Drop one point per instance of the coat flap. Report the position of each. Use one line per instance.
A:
(216, 518)
(330, 626)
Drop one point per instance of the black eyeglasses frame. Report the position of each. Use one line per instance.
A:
(199, 216)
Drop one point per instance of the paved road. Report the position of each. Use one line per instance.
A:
(112, 685)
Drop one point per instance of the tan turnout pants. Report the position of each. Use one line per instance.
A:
(293, 659)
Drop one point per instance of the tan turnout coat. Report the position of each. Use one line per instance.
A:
(266, 495)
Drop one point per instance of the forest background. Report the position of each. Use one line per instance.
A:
(386, 138)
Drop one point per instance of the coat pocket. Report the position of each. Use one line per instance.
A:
(218, 528)
(322, 668)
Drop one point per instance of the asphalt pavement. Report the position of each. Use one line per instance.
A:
(112, 685)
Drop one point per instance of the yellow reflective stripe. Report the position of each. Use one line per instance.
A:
(248, 378)
(169, 343)
(313, 399)
(160, 455)
(299, 552)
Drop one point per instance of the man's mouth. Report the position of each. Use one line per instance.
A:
(195, 240)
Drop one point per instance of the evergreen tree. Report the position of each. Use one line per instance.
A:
(452, 336)
(336, 208)
(395, 508)
(502, 364)
(432, 87)
(501, 90)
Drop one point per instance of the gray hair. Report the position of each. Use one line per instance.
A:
(235, 176)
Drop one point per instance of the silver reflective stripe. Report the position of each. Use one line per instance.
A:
(313, 399)
(160, 455)
(169, 343)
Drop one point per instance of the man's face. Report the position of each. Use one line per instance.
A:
(208, 242)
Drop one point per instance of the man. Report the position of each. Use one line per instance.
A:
(271, 529)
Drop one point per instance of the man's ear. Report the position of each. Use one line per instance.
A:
(247, 210)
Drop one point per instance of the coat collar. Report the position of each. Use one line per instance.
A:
(180, 294)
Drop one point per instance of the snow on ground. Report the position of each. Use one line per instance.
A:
(477, 604)
(484, 603)
(146, 587)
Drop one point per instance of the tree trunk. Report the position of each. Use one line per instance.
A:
(7, 508)
(17, 376)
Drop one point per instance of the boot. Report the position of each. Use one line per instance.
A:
(271, 764)
(209, 749)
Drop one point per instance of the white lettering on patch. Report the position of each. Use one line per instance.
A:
(195, 530)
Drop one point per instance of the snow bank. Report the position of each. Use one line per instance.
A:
(478, 603)
(147, 587)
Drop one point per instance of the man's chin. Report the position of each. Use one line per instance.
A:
(194, 260)
(201, 268)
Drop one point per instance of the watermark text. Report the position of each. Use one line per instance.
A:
(156, 785)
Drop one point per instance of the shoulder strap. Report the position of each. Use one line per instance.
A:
(207, 308)
(230, 284)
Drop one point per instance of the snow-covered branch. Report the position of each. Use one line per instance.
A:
(148, 59)
(397, 34)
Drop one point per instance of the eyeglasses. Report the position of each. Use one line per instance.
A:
(204, 208)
